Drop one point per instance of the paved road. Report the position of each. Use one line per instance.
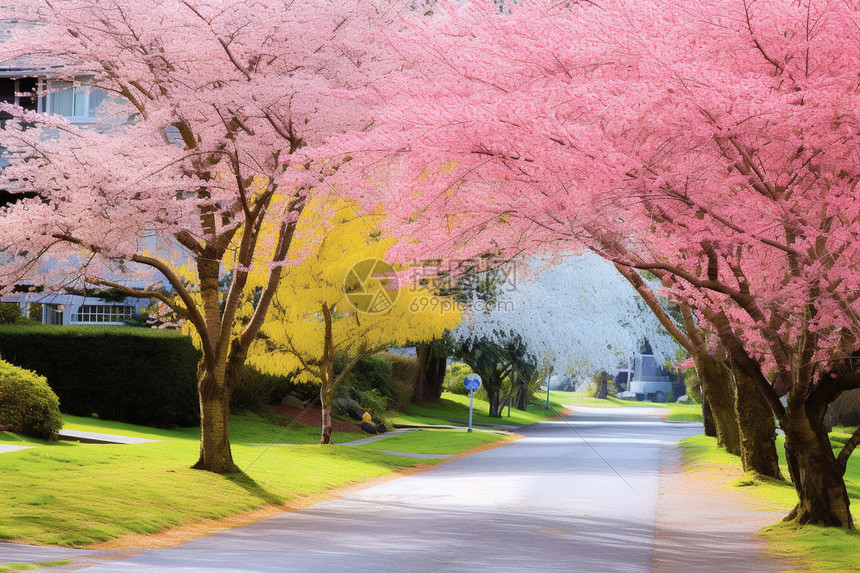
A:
(572, 495)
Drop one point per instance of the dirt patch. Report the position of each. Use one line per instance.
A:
(179, 535)
(559, 416)
(313, 417)
(705, 526)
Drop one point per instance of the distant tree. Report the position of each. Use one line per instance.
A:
(494, 360)
(578, 313)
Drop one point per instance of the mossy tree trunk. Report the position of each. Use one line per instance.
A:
(708, 418)
(816, 474)
(718, 389)
(757, 429)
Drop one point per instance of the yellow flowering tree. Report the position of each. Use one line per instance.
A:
(344, 298)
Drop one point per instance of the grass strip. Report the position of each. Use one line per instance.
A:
(810, 547)
(31, 566)
(456, 407)
(75, 495)
(677, 412)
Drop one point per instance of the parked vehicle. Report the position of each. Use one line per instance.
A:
(649, 381)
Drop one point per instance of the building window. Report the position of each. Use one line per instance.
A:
(103, 313)
(19, 91)
(74, 102)
(53, 314)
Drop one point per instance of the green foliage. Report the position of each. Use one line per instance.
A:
(372, 401)
(370, 382)
(35, 312)
(454, 377)
(402, 395)
(371, 373)
(10, 312)
(255, 389)
(28, 406)
(403, 368)
(137, 375)
(693, 384)
(139, 320)
(108, 294)
(404, 371)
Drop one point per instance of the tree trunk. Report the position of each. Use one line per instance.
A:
(435, 375)
(757, 429)
(325, 401)
(708, 418)
(522, 400)
(419, 394)
(602, 391)
(431, 374)
(493, 393)
(719, 391)
(327, 379)
(815, 473)
(215, 453)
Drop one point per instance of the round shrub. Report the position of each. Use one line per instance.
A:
(28, 406)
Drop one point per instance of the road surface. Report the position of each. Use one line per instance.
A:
(572, 495)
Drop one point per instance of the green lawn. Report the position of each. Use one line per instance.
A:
(244, 428)
(677, 412)
(78, 494)
(455, 407)
(813, 548)
(31, 566)
(434, 441)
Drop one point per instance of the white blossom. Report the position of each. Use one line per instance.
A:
(579, 315)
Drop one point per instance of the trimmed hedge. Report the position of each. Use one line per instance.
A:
(28, 406)
(256, 389)
(135, 375)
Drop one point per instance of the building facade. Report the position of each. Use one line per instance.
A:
(45, 91)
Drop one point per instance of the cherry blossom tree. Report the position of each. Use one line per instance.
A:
(191, 157)
(713, 144)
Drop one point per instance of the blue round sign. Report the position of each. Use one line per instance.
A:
(472, 382)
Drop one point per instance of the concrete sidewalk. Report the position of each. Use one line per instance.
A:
(99, 438)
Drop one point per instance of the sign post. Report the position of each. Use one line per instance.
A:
(547, 390)
(471, 383)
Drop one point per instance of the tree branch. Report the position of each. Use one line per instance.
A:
(847, 450)
(138, 293)
(650, 299)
